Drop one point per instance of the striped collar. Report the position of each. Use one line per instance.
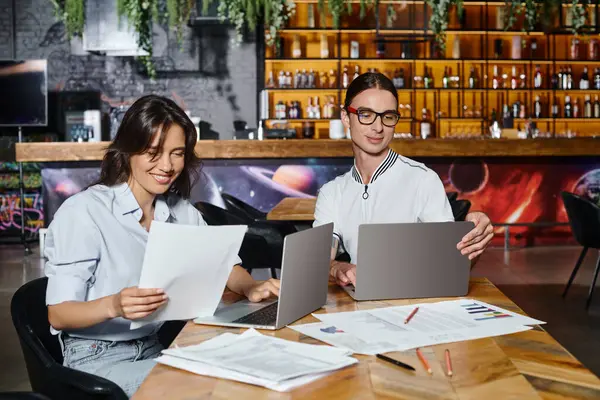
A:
(386, 164)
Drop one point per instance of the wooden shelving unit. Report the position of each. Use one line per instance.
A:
(408, 45)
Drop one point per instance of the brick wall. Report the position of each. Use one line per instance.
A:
(214, 79)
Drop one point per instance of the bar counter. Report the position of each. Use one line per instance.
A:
(323, 148)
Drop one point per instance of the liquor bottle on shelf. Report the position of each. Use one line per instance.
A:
(401, 79)
(425, 125)
(555, 108)
(593, 47)
(496, 79)
(505, 81)
(280, 110)
(333, 79)
(288, 80)
(473, 79)
(597, 79)
(271, 81)
(354, 49)
(309, 109)
(296, 47)
(292, 110)
(523, 80)
(576, 109)
(323, 79)
(311, 80)
(513, 79)
(507, 118)
(427, 79)
(568, 107)
(345, 78)
(356, 72)
(516, 47)
(317, 109)
(537, 78)
(561, 79)
(587, 108)
(584, 82)
(533, 49)
(569, 79)
(516, 109)
(297, 79)
(537, 108)
(596, 107)
(445, 78)
(565, 80)
(324, 46)
(310, 23)
(574, 49)
(281, 79)
(456, 47)
(554, 81)
(380, 50)
(522, 111)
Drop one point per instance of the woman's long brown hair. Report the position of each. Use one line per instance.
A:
(148, 116)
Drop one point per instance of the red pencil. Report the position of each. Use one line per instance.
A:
(424, 361)
(448, 363)
(412, 314)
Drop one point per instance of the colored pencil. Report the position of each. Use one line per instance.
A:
(395, 362)
(412, 314)
(448, 363)
(424, 361)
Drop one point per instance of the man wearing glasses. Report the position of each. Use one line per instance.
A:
(383, 186)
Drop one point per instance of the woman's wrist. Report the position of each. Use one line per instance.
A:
(112, 306)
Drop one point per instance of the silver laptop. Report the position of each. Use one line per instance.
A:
(411, 260)
(304, 280)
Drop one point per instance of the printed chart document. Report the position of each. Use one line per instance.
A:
(334, 336)
(434, 323)
(253, 358)
(191, 263)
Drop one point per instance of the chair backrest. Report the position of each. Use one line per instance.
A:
(30, 317)
(214, 215)
(452, 195)
(234, 204)
(460, 209)
(584, 218)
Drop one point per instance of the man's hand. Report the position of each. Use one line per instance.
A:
(262, 290)
(344, 273)
(476, 241)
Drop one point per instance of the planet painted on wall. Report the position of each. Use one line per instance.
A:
(290, 180)
(469, 177)
(588, 186)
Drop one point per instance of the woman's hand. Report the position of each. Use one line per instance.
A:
(261, 290)
(344, 273)
(135, 303)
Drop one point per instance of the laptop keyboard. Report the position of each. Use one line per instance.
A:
(265, 316)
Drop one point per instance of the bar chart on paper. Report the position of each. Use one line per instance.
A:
(483, 312)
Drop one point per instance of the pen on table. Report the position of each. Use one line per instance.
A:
(412, 314)
(395, 362)
(424, 361)
(448, 363)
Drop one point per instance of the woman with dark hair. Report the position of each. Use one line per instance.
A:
(383, 186)
(96, 242)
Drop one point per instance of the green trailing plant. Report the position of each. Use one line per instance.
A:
(72, 14)
(438, 21)
(140, 14)
(578, 11)
(544, 13)
(178, 14)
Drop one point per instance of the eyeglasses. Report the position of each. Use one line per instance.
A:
(367, 117)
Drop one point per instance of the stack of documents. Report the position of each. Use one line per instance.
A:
(383, 329)
(256, 359)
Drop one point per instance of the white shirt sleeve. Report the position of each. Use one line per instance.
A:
(326, 211)
(73, 250)
(435, 204)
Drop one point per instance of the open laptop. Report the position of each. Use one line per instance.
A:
(304, 280)
(411, 260)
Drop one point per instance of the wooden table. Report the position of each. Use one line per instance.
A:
(293, 209)
(526, 365)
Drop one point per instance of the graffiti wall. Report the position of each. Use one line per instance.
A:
(508, 190)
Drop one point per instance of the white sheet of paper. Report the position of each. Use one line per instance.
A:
(192, 264)
(334, 336)
(434, 323)
(265, 357)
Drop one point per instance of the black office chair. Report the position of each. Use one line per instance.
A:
(584, 218)
(242, 209)
(460, 209)
(262, 246)
(452, 195)
(43, 356)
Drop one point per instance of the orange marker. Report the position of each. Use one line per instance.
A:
(448, 363)
(412, 314)
(424, 361)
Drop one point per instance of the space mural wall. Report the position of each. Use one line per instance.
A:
(508, 190)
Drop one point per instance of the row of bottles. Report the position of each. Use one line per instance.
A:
(293, 110)
(570, 110)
